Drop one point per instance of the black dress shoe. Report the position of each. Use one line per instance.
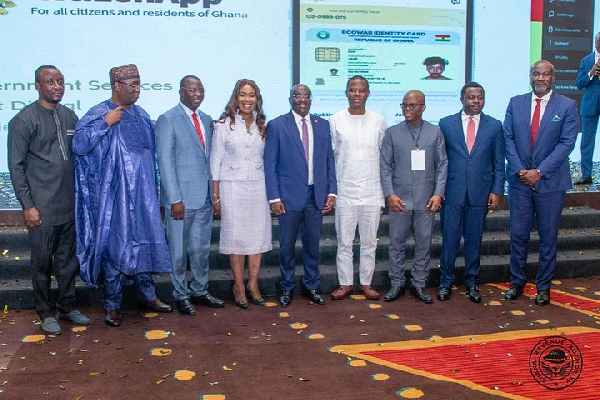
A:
(584, 181)
(286, 298)
(207, 300)
(155, 305)
(112, 318)
(186, 307)
(542, 297)
(421, 294)
(313, 296)
(394, 293)
(473, 293)
(444, 293)
(514, 292)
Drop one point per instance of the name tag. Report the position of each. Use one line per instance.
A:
(417, 160)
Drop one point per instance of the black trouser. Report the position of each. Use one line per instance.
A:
(53, 251)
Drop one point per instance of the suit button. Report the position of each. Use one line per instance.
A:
(247, 146)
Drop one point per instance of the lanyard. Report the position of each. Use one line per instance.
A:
(415, 139)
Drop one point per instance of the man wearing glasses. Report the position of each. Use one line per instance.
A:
(301, 187)
(117, 219)
(183, 139)
(413, 176)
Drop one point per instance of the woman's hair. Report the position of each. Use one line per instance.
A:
(232, 106)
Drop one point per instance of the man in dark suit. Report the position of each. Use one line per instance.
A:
(301, 187)
(588, 79)
(475, 150)
(540, 130)
(183, 136)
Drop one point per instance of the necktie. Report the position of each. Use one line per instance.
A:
(198, 130)
(535, 121)
(470, 134)
(305, 138)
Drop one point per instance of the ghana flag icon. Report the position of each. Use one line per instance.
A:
(442, 38)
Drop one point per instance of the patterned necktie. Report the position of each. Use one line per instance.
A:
(198, 130)
(305, 138)
(470, 134)
(535, 121)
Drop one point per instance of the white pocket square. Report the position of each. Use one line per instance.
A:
(556, 118)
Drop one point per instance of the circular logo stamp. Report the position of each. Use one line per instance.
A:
(555, 362)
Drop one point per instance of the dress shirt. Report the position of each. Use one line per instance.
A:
(189, 113)
(596, 58)
(311, 142)
(543, 104)
(465, 122)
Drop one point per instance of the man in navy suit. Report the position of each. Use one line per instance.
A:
(475, 150)
(301, 187)
(183, 136)
(540, 130)
(588, 79)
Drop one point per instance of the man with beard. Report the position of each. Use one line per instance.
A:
(540, 130)
(118, 222)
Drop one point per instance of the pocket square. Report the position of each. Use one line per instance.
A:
(556, 118)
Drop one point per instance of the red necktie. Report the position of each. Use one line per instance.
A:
(198, 130)
(535, 121)
(470, 134)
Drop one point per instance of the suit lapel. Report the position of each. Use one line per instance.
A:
(295, 133)
(549, 114)
(460, 133)
(481, 131)
(188, 127)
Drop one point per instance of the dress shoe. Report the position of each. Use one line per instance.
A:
(186, 308)
(258, 300)
(368, 292)
(342, 292)
(473, 293)
(155, 305)
(207, 300)
(286, 298)
(542, 297)
(444, 293)
(421, 294)
(313, 296)
(240, 300)
(394, 293)
(514, 292)
(584, 181)
(76, 317)
(50, 326)
(112, 317)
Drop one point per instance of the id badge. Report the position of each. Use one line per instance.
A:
(417, 160)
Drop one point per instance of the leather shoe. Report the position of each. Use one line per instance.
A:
(342, 292)
(112, 317)
(421, 294)
(584, 181)
(444, 293)
(207, 300)
(186, 308)
(394, 293)
(514, 292)
(313, 296)
(156, 305)
(286, 298)
(542, 297)
(368, 292)
(473, 293)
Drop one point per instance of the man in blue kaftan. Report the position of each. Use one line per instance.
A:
(117, 216)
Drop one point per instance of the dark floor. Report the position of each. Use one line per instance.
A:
(350, 349)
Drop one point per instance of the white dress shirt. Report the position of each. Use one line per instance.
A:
(465, 123)
(543, 104)
(311, 142)
(189, 113)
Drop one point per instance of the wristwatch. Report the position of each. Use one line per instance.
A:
(540, 172)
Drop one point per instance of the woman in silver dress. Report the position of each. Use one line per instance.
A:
(236, 163)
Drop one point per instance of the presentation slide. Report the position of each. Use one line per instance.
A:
(220, 41)
(398, 45)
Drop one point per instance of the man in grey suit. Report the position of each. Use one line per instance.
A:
(413, 176)
(183, 136)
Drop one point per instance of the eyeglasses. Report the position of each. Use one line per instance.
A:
(410, 106)
(131, 85)
(302, 96)
(193, 91)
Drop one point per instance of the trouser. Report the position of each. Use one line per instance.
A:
(401, 223)
(113, 287)
(346, 220)
(589, 124)
(53, 251)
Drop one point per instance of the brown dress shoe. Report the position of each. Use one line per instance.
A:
(369, 292)
(155, 305)
(342, 292)
(112, 317)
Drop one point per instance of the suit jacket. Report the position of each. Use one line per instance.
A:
(415, 188)
(480, 173)
(590, 103)
(554, 142)
(182, 162)
(286, 168)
